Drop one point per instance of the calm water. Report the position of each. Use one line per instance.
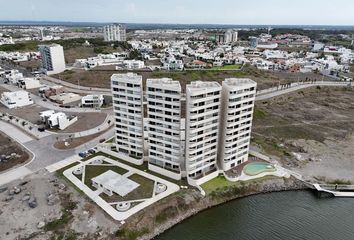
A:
(276, 216)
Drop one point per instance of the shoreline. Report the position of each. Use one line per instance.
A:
(196, 204)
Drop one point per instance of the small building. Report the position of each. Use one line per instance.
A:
(57, 120)
(53, 90)
(111, 182)
(29, 83)
(16, 99)
(43, 116)
(94, 101)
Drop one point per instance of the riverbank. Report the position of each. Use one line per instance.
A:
(176, 208)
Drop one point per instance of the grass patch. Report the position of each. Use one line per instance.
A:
(67, 207)
(228, 67)
(125, 234)
(340, 182)
(165, 214)
(62, 170)
(270, 146)
(221, 184)
(218, 182)
(259, 113)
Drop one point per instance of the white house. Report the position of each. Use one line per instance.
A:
(29, 83)
(57, 120)
(95, 101)
(16, 99)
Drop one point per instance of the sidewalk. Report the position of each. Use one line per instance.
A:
(14, 132)
(17, 173)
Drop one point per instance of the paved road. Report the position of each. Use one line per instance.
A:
(76, 88)
(266, 94)
(14, 132)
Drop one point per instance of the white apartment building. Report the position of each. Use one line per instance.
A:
(164, 127)
(16, 99)
(237, 103)
(127, 99)
(202, 122)
(94, 101)
(53, 60)
(231, 36)
(115, 32)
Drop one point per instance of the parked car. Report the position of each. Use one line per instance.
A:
(102, 140)
(41, 129)
(91, 151)
(83, 154)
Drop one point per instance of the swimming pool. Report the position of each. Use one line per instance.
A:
(256, 168)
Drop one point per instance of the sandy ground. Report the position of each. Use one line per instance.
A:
(31, 113)
(331, 159)
(310, 131)
(19, 221)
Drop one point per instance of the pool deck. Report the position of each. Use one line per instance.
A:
(237, 173)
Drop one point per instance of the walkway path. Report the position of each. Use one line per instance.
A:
(14, 132)
(348, 193)
(76, 88)
(273, 92)
(48, 104)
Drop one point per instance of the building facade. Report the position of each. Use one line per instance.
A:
(164, 126)
(202, 122)
(16, 99)
(237, 103)
(52, 58)
(127, 100)
(115, 33)
(230, 36)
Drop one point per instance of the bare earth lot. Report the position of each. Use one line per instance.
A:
(100, 77)
(31, 113)
(64, 212)
(11, 153)
(311, 131)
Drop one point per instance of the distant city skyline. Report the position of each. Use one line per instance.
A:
(256, 12)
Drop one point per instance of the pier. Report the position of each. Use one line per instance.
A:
(336, 190)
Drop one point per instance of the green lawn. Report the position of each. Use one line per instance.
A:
(221, 182)
(228, 67)
(218, 182)
(93, 171)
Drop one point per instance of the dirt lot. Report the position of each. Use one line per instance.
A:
(75, 142)
(11, 153)
(101, 78)
(310, 130)
(62, 211)
(85, 120)
(30, 113)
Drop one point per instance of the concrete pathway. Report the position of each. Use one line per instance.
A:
(14, 174)
(108, 207)
(14, 132)
(75, 87)
(273, 92)
(67, 161)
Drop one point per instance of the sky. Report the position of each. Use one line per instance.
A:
(239, 12)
